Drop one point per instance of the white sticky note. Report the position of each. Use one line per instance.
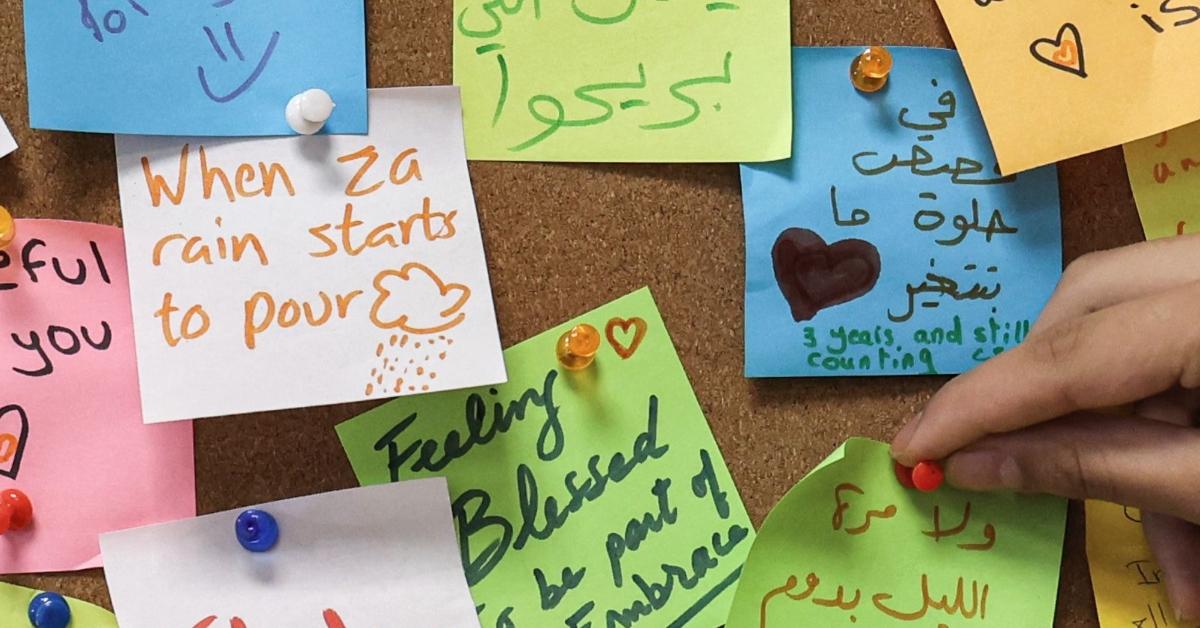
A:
(299, 271)
(359, 558)
(7, 143)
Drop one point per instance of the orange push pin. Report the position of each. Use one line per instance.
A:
(869, 70)
(8, 228)
(577, 348)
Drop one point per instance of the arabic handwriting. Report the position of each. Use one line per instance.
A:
(942, 285)
(962, 605)
(932, 220)
(839, 511)
(920, 157)
(556, 118)
(858, 215)
(942, 117)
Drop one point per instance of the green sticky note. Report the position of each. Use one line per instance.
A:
(595, 497)
(849, 546)
(1164, 172)
(14, 609)
(625, 81)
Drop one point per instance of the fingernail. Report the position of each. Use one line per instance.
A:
(903, 438)
(984, 471)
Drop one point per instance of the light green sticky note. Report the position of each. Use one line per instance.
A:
(850, 547)
(625, 80)
(1164, 172)
(14, 609)
(589, 498)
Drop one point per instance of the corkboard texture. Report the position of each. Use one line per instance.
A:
(562, 239)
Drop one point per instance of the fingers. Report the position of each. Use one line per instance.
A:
(1118, 355)
(1105, 278)
(1140, 462)
(1176, 547)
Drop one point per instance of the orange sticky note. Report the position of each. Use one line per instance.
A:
(1060, 79)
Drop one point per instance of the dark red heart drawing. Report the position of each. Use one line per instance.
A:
(814, 275)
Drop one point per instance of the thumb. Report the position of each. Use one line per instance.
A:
(1137, 462)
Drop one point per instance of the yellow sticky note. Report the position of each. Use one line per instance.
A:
(625, 81)
(1164, 171)
(1128, 583)
(1056, 79)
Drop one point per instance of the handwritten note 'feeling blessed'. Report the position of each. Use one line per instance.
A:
(292, 272)
(1059, 79)
(624, 81)
(850, 546)
(596, 498)
(890, 244)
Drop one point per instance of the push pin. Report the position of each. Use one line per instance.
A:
(926, 477)
(577, 348)
(256, 530)
(869, 70)
(16, 511)
(8, 228)
(49, 610)
(308, 111)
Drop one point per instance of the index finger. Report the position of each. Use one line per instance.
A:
(1115, 356)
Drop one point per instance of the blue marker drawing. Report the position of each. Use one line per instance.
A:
(213, 67)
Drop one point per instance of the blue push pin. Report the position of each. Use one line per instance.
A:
(256, 530)
(49, 610)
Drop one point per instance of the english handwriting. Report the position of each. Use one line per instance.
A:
(471, 508)
(479, 431)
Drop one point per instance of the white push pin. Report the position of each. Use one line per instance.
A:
(307, 112)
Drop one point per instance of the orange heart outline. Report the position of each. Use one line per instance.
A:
(443, 289)
(639, 335)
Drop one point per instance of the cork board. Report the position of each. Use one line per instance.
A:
(562, 239)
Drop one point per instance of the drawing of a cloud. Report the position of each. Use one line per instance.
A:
(417, 301)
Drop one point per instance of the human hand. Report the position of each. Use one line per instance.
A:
(1121, 330)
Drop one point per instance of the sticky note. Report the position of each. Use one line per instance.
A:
(71, 432)
(376, 556)
(1164, 172)
(1060, 79)
(7, 143)
(849, 546)
(595, 497)
(14, 605)
(290, 272)
(164, 67)
(624, 81)
(889, 244)
(1128, 583)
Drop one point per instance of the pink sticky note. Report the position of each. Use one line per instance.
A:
(71, 431)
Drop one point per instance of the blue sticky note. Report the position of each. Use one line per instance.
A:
(889, 244)
(192, 67)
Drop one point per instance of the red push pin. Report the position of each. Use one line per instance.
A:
(927, 476)
(905, 475)
(16, 511)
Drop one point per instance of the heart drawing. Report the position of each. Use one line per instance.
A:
(625, 350)
(814, 275)
(14, 432)
(1063, 52)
